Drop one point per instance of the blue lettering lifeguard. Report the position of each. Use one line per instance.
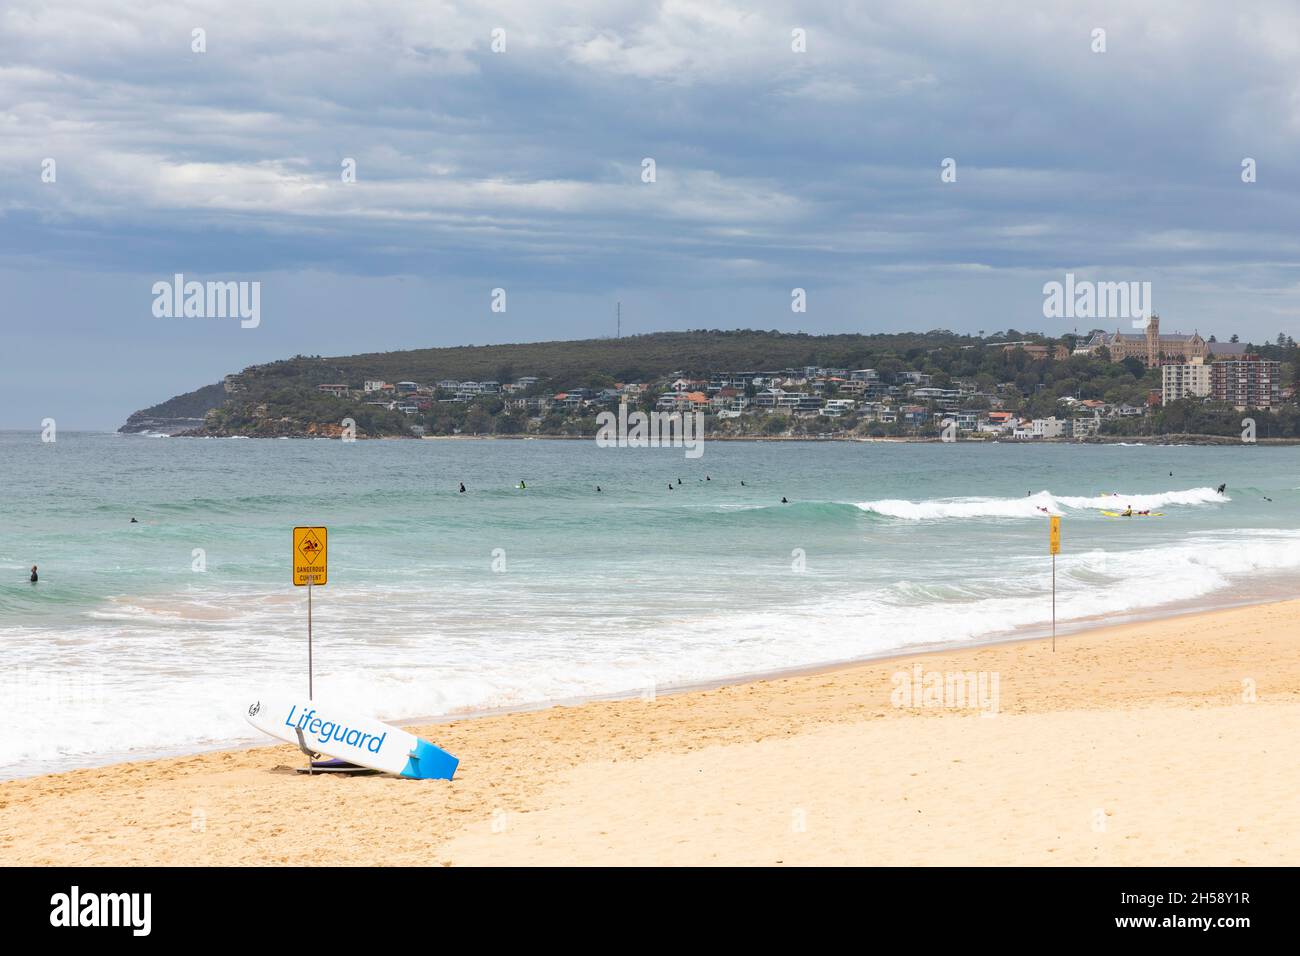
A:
(327, 730)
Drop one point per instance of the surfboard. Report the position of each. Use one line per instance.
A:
(1117, 514)
(350, 736)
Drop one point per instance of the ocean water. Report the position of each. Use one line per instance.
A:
(441, 603)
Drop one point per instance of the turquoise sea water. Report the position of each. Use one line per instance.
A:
(440, 602)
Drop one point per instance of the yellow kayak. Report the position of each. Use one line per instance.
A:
(1120, 514)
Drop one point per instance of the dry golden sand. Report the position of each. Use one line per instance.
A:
(1132, 744)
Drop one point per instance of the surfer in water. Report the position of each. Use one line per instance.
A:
(598, 489)
(1127, 512)
(784, 501)
(1222, 488)
(742, 484)
(34, 578)
(133, 521)
(522, 486)
(462, 487)
(670, 486)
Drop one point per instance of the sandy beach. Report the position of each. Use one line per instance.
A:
(1165, 742)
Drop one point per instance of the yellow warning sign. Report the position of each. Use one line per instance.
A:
(1054, 536)
(310, 560)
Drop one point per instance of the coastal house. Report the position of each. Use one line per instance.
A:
(340, 391)
(965, 421)
(727, 399)
(406, 387)
(1082, 426)
(998, 422)
(1047, 427)
(376, 386)
(536, 405)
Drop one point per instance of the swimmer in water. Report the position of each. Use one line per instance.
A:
(34, 578)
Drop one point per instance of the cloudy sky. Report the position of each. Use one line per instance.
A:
(522, 169)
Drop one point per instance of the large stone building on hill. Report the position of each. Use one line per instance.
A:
(1153, 348)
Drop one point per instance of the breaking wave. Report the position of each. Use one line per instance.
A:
(1034, 506)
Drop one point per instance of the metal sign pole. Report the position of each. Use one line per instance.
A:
(1053, 603)
(310, 687)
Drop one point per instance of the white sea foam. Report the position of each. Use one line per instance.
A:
(1032, 506)
(423, 666)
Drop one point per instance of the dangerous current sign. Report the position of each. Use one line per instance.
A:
(310, 556)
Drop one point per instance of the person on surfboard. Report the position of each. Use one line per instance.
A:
(1127, 512)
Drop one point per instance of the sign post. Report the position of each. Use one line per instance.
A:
(310, 568)
(1054, 544)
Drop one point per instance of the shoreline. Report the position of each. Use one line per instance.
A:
(1209, 441)
(1036, 632)
(1149, 724)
